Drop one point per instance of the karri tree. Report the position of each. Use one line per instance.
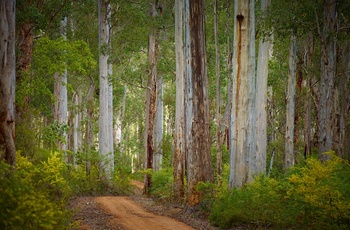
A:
(198, 158)
(7, 80)
(242, 130)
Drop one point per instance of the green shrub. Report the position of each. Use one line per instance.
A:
(311, 196)
(33, 196)
(162, 184)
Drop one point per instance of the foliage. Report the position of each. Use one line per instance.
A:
(84, 177)
(33, 197)
(51, 56)
(53, 133)
(162, 184)
(311, 196)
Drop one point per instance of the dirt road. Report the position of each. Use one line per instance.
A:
(130, 215)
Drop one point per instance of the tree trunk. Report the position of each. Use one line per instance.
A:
(261, 98)
(151, 101)
(158, 127)
(242, 132)
(290, 110)
(179, 140)
(61, 104)
(77, 121)
(327, 81)
(110, 113)
(7, 80)
(344, 92)
(106, 161)
(198, 158)
(307, 103)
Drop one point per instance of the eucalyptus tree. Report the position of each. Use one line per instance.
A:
(179, 138)
(151, 94)
(105, 141)
(158, 126)
(327, 116)
(261, 96)
(198, 157)
(290, 101)
(61, 98)
(242, 125)
(7, 80)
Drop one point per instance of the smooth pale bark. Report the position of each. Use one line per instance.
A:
(7, 80)
(290, 106)
(218, 98)
(158, 127)
(61, 103)
(327, 80)
(117, 131)
(106, 162)
(179, 140)
(77, 121)
(110, 113)
(261, 98)
(242, 132)
(198, 157)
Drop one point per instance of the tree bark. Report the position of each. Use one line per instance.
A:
(261, 98)
(7, 80)
(327, 81)
(242, 132)
(158, 129)
(307, 103)
(61, 104)
(151, 101)
(107, 159)
(290, 110)
(179, 140)
(198, 158)
(345, 100)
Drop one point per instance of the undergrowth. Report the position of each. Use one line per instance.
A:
(36, 194)
(313, 195)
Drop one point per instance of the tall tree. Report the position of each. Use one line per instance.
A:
(309, 47)
(7, 80)
(242, 131)
(158, 127)
(290, 100)
(179, 139)
(151, 96)
(198, 158)
(327, 82)
(61, 97)
(261, 97)
(107, 158)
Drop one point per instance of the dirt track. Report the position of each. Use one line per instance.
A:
(130, 215)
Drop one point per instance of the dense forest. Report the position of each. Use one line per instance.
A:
(238, 109)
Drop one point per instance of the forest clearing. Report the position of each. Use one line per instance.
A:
(120, 114)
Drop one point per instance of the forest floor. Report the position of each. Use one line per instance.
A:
(135, 212)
